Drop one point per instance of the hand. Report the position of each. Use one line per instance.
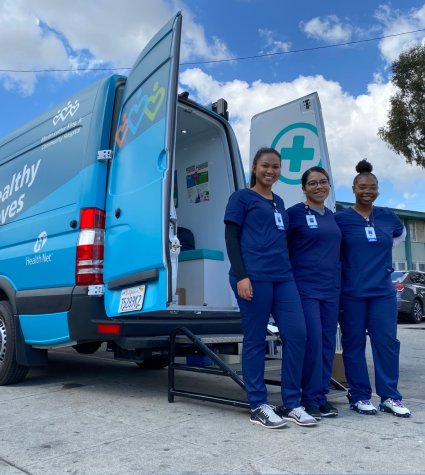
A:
(245, 289)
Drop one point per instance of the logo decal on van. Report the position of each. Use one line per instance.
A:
(41, 241)
(298, 145)
(21, 180)
(39, 257)
(68, 110)
(144, 106)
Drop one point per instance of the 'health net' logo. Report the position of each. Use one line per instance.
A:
(298, 145)
(41, 241)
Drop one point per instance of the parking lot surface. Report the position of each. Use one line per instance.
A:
(92, 415)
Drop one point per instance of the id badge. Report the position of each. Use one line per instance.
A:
(311, 221)
(370, 233)
(279, 221)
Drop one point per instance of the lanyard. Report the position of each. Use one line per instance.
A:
(310, 218)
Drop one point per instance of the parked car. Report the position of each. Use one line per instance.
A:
(410, 287)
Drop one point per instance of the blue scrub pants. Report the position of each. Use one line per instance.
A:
(282, 301)
(321, 319)
(378, 316)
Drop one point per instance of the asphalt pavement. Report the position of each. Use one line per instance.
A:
(93, 415)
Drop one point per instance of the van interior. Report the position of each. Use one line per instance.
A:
(203, 182)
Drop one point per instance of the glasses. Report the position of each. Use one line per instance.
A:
(315, 183)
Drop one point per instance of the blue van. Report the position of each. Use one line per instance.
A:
(93, 194)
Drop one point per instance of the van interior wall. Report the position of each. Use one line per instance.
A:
(203, 213)
(201, 201)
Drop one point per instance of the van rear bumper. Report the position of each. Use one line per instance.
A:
(142, 331)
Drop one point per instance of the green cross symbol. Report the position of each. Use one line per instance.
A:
(297, 153)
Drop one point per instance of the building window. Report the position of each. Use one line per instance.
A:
(418, 266)
(400, 265)
(417, 231)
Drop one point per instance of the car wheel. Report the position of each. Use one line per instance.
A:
(417, 312)
(10, 371)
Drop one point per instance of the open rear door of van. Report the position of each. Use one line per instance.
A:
(136, 264)
(297, 132)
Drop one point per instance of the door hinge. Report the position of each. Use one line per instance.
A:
(104, 155)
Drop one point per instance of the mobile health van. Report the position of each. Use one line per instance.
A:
(92, 193)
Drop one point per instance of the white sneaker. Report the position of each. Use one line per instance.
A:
(299, 416)
(364, 407)
(394, 407)
(265, 416)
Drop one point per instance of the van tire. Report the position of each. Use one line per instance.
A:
(158, 362)
(87, 348)
(10, 371)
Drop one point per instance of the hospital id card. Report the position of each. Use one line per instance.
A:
(311, 221)
(370, 233)
(279, 221)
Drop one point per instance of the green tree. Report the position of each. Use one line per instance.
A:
(405, 129)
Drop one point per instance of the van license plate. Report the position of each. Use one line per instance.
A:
(132, 299)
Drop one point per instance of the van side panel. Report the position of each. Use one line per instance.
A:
(48, 172)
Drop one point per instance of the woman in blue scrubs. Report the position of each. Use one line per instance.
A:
(369, 298)
(261, 278)
(314, 241)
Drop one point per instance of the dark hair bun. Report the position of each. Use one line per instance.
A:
(364, 167)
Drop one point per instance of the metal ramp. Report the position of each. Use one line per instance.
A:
(185, 343)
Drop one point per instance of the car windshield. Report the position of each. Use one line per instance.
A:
(397, 276)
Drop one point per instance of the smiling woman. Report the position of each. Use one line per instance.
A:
(263, 283)
(314, 242)
(368, 297)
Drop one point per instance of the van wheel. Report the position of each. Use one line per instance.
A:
(87, 348)
(417, 312)
(10, 371)
(153, 363)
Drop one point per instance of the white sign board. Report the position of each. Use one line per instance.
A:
(297, 132)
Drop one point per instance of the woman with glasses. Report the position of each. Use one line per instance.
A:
(314, 248)
(369, 298)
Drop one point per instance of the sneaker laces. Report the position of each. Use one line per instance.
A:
(396, 402)
(365, 402)
(267, 410)
(300, 411)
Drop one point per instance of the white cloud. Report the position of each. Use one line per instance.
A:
(328, 28)
(272, 44)
(394, 22)
(400, 206)
(409, 196)
(26, 46)
(59, 35)
(351, 122)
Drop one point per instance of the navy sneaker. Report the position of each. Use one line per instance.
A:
(314, 411)
(327, 410)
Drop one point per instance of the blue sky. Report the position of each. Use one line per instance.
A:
(353, 81)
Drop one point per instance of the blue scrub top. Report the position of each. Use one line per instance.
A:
(314, 253)
(263, 246)
(367, 265)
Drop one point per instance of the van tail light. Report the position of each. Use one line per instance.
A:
(399, 287)
(90, 248)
